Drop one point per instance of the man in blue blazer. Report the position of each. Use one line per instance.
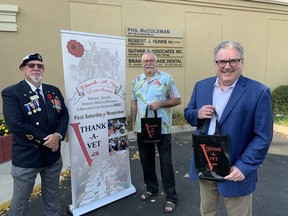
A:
(244, 107)
(36, 115)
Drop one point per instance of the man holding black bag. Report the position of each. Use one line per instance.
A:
(244, 109)
(157, 91)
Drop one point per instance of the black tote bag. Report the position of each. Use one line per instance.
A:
(151, 128)
(211, 153)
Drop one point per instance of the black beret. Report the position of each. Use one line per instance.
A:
(31, 57)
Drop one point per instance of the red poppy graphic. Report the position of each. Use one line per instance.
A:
(75, 48)
(49, 96)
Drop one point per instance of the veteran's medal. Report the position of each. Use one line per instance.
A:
(52, 101)
(33, 107)
(57, 104)
(36, 102)
(28, 108)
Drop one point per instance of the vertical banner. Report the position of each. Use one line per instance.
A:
(95, 86)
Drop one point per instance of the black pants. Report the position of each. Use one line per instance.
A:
(147, 158)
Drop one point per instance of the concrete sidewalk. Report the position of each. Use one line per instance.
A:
(269, 198)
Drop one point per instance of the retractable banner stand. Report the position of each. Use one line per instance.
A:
(95, 86)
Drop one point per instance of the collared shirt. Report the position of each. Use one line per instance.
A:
(220, 100)
(160, 88)
(33, 88)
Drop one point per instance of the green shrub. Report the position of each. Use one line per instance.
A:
(280, 100)
(178, 117)
(281, 120)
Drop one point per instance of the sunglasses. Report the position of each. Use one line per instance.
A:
(32, 66)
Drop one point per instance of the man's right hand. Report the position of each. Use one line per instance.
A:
(206, 112)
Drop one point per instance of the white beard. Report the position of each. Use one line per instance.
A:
(36, 80)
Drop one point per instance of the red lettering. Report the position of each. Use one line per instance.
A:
(79, 137)
(206, 156)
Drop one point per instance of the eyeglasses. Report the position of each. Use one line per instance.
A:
(232, 62)
(32, 66)
(148, 61)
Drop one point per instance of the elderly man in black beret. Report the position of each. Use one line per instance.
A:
(36, 115)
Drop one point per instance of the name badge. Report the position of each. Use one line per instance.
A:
(34, 97)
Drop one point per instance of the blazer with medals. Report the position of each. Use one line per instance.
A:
(248, 121)
(24, 119)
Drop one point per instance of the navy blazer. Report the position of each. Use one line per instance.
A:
(248, 121)
(29, 128)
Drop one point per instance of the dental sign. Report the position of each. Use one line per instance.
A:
(167, 44)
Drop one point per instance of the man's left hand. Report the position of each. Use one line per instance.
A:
(235, 175)
(52, 141)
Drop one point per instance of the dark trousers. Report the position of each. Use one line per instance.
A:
(147, 158)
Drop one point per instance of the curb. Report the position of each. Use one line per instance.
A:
(281, 129)
(182, 128)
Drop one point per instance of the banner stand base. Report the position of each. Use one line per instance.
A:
(101, 202)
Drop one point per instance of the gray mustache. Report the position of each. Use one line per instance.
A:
(149, 67)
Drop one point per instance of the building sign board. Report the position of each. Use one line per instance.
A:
(155, 32)
(167, 62)
(154, 42)
(160, 52)
(167, 44)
